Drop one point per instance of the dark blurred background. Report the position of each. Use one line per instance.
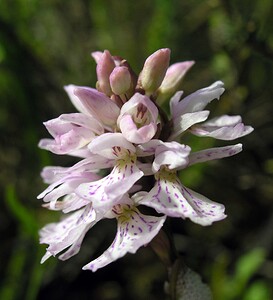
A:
(45, 45)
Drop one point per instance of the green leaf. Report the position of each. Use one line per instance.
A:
(22, 214)
(246, 267)
(257, 291)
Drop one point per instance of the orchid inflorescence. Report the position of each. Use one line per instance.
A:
(121, 128)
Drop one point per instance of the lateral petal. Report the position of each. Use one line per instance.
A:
(226, 133)
(214, 153)
(185, 121)
(196, 101)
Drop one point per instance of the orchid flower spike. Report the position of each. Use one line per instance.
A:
(130, 154)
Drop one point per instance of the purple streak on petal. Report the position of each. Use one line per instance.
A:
(108, 191)
(214, 153)
(137, 231)
(68, 233)
(174, 200)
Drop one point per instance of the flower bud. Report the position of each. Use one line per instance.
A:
(96, 56)
(105, 66)
(133, 78)
(154, 70)
(120, 80)
(172, 80)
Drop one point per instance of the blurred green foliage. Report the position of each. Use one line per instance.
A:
(45, 45)
(240, 284)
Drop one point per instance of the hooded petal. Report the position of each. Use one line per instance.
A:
(132, 107)
(71, 132)
(134, 134)
(111, 146)
(138, 119)
(98, 105)
(134, 230)
(173, 155)
(67, 143)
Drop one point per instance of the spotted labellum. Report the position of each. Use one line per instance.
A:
(130, 153)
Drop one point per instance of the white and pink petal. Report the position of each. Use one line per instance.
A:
(214, 153)
(185, 121)
(98, 104)
(140, 101)
(70, 132)
(52, 174)
(111, 146)
(134, 230)
(108, 191)
(65, 186)
(69, 232)
(171, 154)
(70, 203)
(76, 101)
(196, 101)
(83, 120)
(172, 199)
(138, 119)
(226, 133)
(149, 148)
(134, 134)
(173, 78)
(224, 120)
